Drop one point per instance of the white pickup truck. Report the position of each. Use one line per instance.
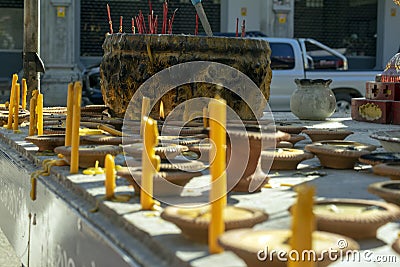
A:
(310, 59)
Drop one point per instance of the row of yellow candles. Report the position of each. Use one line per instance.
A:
(303, 223)
(13, 108)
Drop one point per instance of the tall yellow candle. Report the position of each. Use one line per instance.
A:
(16, 106)
(74, 167)
(70, 106)
(110, 176)
(12, 99)
(205, 113)
(150, 163)
(217, 121)
(24, 92)
(145, 112)
(39, 111)
(32, 113)
(303, 224)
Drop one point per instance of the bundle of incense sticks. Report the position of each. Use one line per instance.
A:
(139, 23)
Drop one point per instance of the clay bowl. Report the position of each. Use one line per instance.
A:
(89, 154)
(247, 244)
(284, 159)
(50, 141)
(291, 129)
(338, 154)
(396, 245)
(54, 110)
(103, 139)
(178, 140)
(165, 183)
(294, 138)
(47, 142)
(115, 122)
(183, 131)
(389, 191)
(381, 157)
(390, 169)
(327, 134)
(165, 152)
(194, 221)
(390, 140)
(23, 116)
(93, 109)
(356, 218)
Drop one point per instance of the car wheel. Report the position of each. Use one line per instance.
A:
(343, 103)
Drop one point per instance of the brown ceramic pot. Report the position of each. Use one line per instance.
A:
(285, 159)
(338, 154)
(250, 246)
(356, 218)
(389, 191)
(327, 134)
(89, 154)
(194, 222)
(390, 169)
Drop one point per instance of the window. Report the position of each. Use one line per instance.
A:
(282, 56)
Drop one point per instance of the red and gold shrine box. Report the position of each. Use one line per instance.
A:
(376, 111)
(382, 91)
(396, 112)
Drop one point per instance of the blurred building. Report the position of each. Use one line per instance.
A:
(72, 31)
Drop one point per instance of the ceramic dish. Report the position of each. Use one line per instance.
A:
(327, 134)
(388, 190)
(381, 157)
(338, 154)
(356, 218)
(390, 140)
(247, 244)
(390, 169)
(194, 221)
(284, 159)
(89, 154)
(165, 152)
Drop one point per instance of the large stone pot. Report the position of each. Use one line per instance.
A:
(129, 60)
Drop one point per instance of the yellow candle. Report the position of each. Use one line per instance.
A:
(109, 130)
(75, 128)
(205, 113)
(217, 108)
(150, 163)
(32, 113)
(110, 176)
(39, 111)
(16, 106)
(12, 99)
(145, 112)
(24, 90)
(70, 105)
(303, 224)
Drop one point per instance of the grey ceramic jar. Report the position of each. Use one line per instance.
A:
(313, 99)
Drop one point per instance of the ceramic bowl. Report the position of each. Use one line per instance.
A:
(389, 169)
(390, 140)
(380, 157)
(339, 154)
(388, 190)
(194, 221)
(89, 154)
(284, 159)
(254, 247)
(327, 134)
(356, 218)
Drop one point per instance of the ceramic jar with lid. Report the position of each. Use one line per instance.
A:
(313, 99)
